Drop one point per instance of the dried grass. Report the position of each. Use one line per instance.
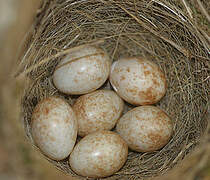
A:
(155, 29)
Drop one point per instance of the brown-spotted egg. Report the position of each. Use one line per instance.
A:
(82, 71)
(54, 127)
(99, 154)
(145, 128)
(138, 81)
(98, 110)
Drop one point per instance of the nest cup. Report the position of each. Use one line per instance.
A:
(156, 30)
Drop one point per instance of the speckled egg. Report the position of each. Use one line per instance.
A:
(138, 81)
(145, 128)
(54, 128)
(82, 71)
(99, 154)
(98, 110)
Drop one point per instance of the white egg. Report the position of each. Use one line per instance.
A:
(138, 81)
(99, 154)
(54, 128)
(145, 128)
(98, 110)
(82, 71)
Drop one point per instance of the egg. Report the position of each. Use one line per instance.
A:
(83, 70)
(98, 110)
(138, 81)
(99, 154)
(54, 127)
(145, 128)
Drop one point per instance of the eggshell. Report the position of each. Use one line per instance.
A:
(98, 110)
(99, 154)
(82, 71)
(145, 128)
(138, 81)
(54, 127)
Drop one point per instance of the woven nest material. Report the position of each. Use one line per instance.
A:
(156, 30)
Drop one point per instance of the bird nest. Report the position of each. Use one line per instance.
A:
(157, 30)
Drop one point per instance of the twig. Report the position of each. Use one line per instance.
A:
(45, 60)
(203, 10)
(188, 8)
